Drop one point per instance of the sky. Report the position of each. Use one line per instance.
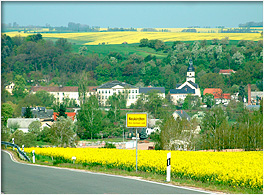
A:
(172, 14)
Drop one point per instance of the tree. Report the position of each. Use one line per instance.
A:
(19, 88)
(213, 129)
(114, 112)
(191, 102)
(34, 38)
(154, 103)
(62, 110)
(82, 50)
(18, 136)
(62, 132)
(241, 93)
(64, 45)
(34, 128)
(177, 134)
(89, 118)
(28, 113)
(211, 80)
(144, 43)
(14, 127)
(208, 99)
(46, 98)
(6, 112)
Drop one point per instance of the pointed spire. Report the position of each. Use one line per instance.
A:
(190, 68)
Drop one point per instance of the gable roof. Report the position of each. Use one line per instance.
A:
(110, 85)
(182, 114)
(226, 71)
(148, 89)
(187, 83)
(193, 84)
(178, 85)
(182, 91)
(216, 92)
(55, 89)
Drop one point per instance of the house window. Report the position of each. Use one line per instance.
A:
(129, 96)
(129, 91)
(102, 91)
(109, 91)
(105, 91)
(102, 97)
(132, 96)
(132, 91)
(58, 93)
(136, 91)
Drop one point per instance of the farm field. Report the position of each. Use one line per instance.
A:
(232, 169)
(96, 38)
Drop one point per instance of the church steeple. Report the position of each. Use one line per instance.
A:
(190, 72)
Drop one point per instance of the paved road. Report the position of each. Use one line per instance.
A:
(18, 178)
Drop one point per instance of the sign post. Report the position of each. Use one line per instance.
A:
(13, 141)
(168, 167)
(136, 120)
(33, 152)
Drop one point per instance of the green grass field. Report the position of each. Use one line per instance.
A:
(129, 49)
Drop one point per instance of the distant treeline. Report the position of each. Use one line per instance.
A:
(121, 29)
(251, 24)
(154, 30)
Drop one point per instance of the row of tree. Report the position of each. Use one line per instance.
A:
(216, 133)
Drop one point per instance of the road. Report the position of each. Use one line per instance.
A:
(20, 178)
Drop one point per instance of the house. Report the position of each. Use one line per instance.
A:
(21, 123)
(10, 87)
(159, 90)
(226, 71)
(188, 87)
(69, 114)
(181, 114)
(115, 87)
(218, 94)
(60, 92)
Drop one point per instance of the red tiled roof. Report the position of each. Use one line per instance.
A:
(216, 92)
(92, 88)
(227, 71)
(227, 96)
(69, 114)
(55, 89)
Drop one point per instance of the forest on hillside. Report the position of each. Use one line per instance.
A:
(48, 63)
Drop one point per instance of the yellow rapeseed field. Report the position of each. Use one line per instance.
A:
(229, 168)
(95, 38)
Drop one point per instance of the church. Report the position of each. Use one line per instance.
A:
(188, 87)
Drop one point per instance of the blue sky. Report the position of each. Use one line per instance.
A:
(133, 14)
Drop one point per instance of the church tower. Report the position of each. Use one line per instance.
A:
(190, 72)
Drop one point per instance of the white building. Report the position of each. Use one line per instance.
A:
(10, 87)
(188, 87)
(60, 93)
(108, 89)
(21, 123)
